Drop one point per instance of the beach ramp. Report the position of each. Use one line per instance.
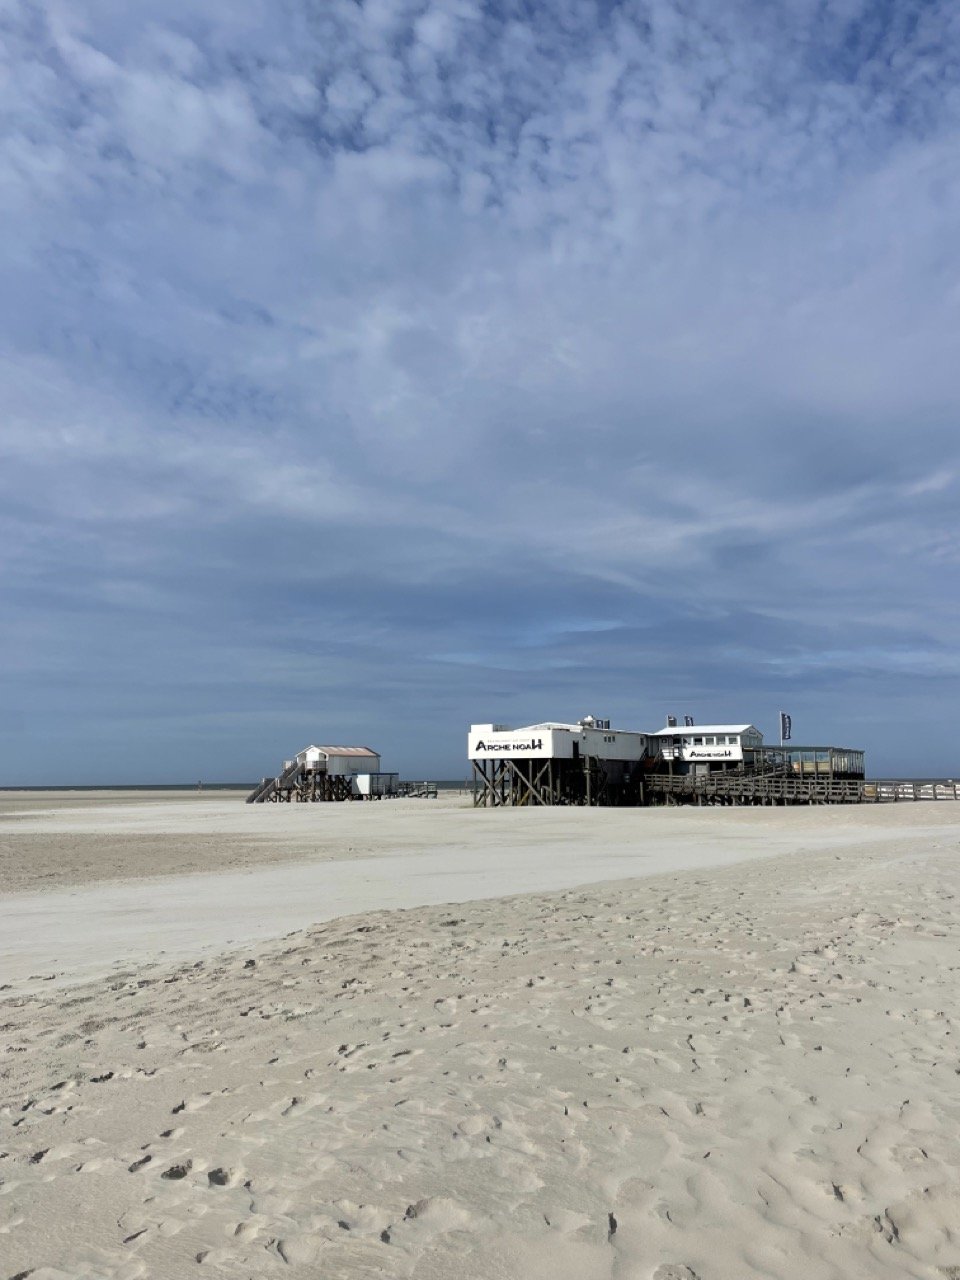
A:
(269, 787)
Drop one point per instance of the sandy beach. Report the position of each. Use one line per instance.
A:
(412, 1039)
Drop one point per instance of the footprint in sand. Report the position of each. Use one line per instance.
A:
(298, 1251)
(191, 1104)
(301, 1104)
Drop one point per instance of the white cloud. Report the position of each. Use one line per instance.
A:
(657, 302)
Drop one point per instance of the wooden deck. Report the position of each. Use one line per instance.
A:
(736, 787)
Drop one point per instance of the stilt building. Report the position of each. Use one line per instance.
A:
(556, 763)
(588, 763)
(320, 773)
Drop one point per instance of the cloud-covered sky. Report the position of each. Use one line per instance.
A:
(369, 369)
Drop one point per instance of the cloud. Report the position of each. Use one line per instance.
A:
(390, 341)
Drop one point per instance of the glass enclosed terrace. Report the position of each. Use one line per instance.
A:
(827, 762)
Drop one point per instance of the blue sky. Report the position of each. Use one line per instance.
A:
(369, 369)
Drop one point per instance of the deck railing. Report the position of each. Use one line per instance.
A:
(757, 788)
(765, 787)
(889, 789)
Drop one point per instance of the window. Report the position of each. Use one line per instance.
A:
(698, 742)
(711, 741)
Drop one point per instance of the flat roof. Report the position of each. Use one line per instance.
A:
(552, 725)
(686, 730)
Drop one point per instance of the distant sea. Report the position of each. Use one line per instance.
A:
(457, 785)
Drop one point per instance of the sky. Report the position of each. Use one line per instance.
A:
(372, 369)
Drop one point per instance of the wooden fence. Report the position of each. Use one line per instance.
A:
(889, 789)
(735, 787)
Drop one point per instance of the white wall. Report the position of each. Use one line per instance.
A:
(531, 742)
(349, 765)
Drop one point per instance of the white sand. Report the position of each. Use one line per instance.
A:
(741, 1070)
(350, 858)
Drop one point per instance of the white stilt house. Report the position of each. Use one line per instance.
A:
(328, 773)
(555, 763)
(340, 761)
(588, 763)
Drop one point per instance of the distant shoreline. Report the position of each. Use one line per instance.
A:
(444, 785)
(456, 784)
